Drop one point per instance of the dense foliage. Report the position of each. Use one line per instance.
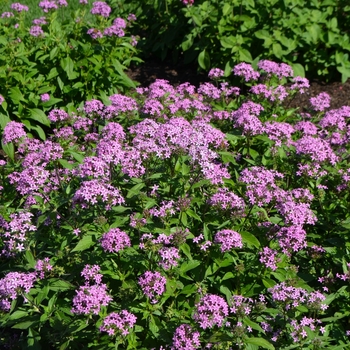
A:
(309, 35)
(57, 61)
(180, 218)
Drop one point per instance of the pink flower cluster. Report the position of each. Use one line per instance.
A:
(13, 132)
(101, 8)
(48, 5)
(270, 93)
(117, 28)
(89, 298)
(291, 297)
(13, 285)
(19, 7)
(279, 69)
(246, 71)
(241, 306)
(320, 102)
(115, 240)
(210, 311)
(268, 257)
(246, 118)
(118, 323)
(261, 184)
(216, 73)
(185, 338)
(94, 191)
(164, 246)
(178, 135)
(152, 285)
(37, 31)
(16, 232)
(42, 267)
(228, 239)
(225, 200)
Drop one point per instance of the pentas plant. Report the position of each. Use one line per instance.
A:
(179, 218)
(59, 61)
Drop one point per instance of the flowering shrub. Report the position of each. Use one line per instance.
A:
(58, 61)
(179, 218)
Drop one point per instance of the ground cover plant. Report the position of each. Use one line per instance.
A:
(179, 218)
(309, 35)
(61, 57)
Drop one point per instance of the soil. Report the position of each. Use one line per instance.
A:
(176, 74)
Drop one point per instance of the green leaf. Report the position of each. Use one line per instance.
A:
(66, 164)
(227, 276)
(189, 289)
(33, 340)
(53, 53)
(18, 314)
(268, 283)
(30, 259)
(78, 157)
(252, 324)
(260, 342)
(253, 153)
(125, 79)
(277, 50)
(262, 34)
(40, 132)
(52, 101)
(186, 45)
(82, 326)
(250, 239)
(189, 265)
(228, 42)
(204, 60)
(226, 9)
(42, 294)
(185, 248)
(16, 95)
(244, 55)
(60, 83)
(78, 85)
(345, 73)
(120, 209)
(226, 291)
(52, 74)
(183, 217)
(315, 31)
(153, 326)
(4, 119)
(192, 214)
(39, 116)
(57, 285)
(298, 70)
(67, 65)
(85, 243)
(9, 149)
(135, 190)
(197, 20)
(24, 325)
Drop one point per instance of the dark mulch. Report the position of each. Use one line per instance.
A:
(176, 74)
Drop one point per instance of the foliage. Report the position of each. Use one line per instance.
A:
(178, 218)
(54, 62)
(309, 35)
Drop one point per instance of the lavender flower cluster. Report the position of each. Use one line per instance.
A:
(92, 295)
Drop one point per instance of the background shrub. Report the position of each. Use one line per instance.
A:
(309, 35)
